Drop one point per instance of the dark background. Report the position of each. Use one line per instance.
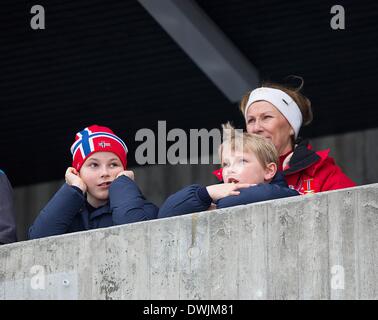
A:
(110, 63)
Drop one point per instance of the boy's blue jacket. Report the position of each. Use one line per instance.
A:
(7, 215)
(195, 198)
(67, 211)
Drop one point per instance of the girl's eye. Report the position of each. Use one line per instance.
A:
(224, 165)
(93, 165)
(114, 165)
(251, 120)
(267, 117)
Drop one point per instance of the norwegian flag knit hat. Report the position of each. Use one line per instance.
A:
(96, 139)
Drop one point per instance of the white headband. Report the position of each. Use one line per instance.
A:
(282, 101)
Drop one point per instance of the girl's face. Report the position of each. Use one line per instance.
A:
(242, 167)
(266, 120)
(98, 172)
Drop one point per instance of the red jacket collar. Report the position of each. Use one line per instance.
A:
(305, 158)
(219, 174)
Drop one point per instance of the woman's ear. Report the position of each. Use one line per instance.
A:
(270, 171)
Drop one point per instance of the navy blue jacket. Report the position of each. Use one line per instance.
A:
(7, 220)
(195, 198)
(68, 210)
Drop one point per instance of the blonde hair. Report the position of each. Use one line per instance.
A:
(303, 102)
(261, 147)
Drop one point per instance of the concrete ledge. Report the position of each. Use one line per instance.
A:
(322, 246)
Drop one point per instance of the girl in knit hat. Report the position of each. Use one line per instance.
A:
(99, 192)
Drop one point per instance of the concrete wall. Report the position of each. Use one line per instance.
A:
(322, 246)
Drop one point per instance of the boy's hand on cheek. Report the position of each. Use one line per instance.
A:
(127, 173)
(219, 191)
(73, 179)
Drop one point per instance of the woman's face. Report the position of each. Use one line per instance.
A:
(266, 120)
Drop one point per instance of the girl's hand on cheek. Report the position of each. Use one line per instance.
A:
(73, 179)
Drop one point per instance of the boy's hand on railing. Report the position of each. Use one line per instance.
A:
(127, 173)
(73, 179)
(219, 191)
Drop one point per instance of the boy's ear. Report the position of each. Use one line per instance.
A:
(270, 171)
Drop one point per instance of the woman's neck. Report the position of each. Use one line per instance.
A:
(282, 158)
(286, 150)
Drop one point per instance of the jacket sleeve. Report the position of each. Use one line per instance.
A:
(128, 204)
(57, 216)
(7, 217)
(261, 192)
(335, 178)
(193, 198)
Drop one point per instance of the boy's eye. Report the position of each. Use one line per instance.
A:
(114, 164)
(93, 165)
(242, 161)
(224, 165)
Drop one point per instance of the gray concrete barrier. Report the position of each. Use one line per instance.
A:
(322, 246)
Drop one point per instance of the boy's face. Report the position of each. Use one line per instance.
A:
(241, 167)
(98, 172)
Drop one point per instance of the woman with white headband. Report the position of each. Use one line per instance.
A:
(278, 112)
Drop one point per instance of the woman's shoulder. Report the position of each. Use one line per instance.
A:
(305, 158)
(319, 159)
(325, 169)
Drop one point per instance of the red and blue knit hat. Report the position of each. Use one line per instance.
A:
(96, 139)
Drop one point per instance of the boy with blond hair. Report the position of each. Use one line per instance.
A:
(249, 172)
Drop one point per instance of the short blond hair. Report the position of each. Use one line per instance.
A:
(261, 147)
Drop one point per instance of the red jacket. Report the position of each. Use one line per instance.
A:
(308, 171)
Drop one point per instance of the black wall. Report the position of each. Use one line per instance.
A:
(110, 63)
